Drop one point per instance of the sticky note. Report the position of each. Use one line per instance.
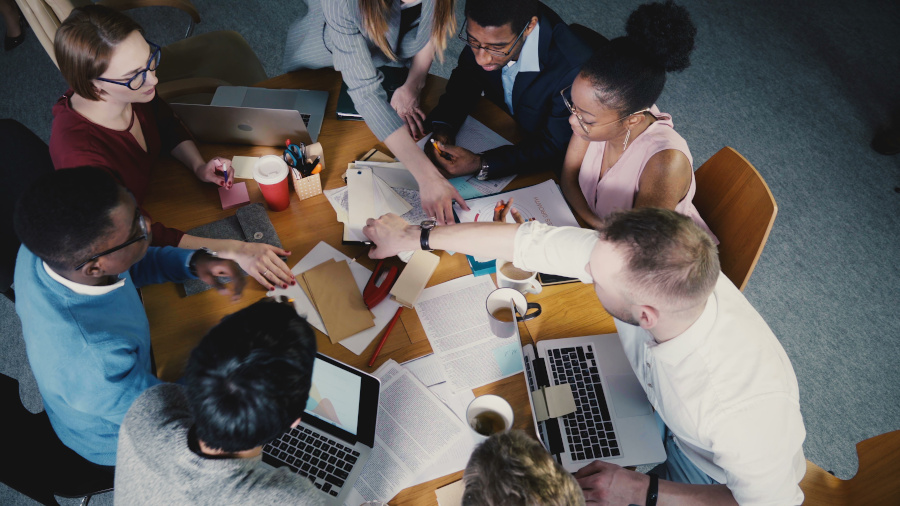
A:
(507, 358)
(236, 196)
(243, 166)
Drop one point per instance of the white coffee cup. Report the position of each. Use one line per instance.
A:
(510, 276)
(489, 414)
(497, 304)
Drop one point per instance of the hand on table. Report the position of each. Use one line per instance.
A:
(406, 102)
(260, 261)
(504, 208)
(609, 484)
(214, 172)
(461, 161)
(437, 196)
(210, 269)
(391, 234)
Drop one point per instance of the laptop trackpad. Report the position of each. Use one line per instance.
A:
(628, 398)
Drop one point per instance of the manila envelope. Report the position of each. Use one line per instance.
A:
(332, 289)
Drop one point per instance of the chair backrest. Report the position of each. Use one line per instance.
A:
(736, 203)
(25, 158)
(875, 482)
(45, 16)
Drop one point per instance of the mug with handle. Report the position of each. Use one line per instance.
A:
(499, 306)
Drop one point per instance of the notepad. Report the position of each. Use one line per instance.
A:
(243, 166)
(236, 196)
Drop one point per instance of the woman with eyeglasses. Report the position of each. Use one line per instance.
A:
(356, 37)
(625, 153)
(112, 118)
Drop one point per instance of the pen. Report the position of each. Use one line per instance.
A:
(443, 154)
(387, 332)
(225, 171)
(500, 206)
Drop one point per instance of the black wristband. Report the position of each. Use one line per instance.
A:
(652, 490)
(423, 239)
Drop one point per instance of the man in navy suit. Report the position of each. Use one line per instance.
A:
(520, 55)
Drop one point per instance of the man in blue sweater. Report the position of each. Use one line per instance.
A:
(84, 254)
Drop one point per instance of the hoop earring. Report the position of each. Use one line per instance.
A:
(627, 136)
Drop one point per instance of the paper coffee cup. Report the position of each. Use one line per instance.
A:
(271, 173)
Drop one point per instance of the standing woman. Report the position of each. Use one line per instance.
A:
(112, 118)
(624, 152)
(358, 36)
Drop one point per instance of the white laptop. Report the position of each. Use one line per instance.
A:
(613, 420)
(256, 116)
(336, 434)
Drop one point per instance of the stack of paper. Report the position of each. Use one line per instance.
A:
(369, 196)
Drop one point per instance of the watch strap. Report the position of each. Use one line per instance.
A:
(652, 490)
(423, 238)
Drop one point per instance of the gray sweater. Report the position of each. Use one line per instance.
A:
(155, 465)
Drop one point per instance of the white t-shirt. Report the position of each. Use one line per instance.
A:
(725, 387)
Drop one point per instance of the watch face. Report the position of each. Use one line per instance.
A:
(428, 224)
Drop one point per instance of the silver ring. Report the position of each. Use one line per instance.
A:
(264, 274)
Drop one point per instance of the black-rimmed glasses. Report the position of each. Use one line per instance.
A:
(143, 233)
(136, 82)
(567, 99)
(495, 52)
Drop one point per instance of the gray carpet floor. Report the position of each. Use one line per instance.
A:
(798, 88)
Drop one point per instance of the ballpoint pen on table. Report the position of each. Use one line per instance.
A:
(387, 332)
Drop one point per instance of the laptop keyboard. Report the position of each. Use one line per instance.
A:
(326, 462)
(589, 430)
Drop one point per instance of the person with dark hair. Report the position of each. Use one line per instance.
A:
(84, 255)
(519, 55)
(510, 468)
(112, 117)
(719, 380)
(624, 153)
(246, 383)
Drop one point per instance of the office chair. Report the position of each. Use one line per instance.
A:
(736, 203)
(191, 69)
(25, 158)
(587, 35)
(875, 483)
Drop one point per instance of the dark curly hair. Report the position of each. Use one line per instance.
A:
(516, 13)
(629, 73)
(65, 213)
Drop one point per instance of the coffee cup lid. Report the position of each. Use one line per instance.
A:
(270, 169)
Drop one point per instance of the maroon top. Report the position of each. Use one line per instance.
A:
(75, 142)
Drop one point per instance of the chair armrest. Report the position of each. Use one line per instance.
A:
(189, 86)
(184, 5)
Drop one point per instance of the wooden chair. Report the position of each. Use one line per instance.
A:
(875, 484)
(190, 70)
(736, 203)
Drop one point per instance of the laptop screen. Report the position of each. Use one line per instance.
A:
(334, 396)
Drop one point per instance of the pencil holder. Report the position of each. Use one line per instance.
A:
(310, 186)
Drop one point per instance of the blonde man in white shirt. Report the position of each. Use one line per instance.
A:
(711, 367)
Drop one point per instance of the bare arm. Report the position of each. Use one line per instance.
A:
(570, 187)
(406, 98)
(664, 181)
(391, 235)
(605, 483)
(257, 259)
(187, 153)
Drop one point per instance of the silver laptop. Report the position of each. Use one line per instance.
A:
(336, 434)
(613, 420)
(256, 116)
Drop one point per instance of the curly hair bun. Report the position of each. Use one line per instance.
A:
(665, 34)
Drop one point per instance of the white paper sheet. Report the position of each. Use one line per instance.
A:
(383, 312)
(426, 369)
(414, 429)
(456, 325)
(456, 457)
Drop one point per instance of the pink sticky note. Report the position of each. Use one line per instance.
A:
(236, 196)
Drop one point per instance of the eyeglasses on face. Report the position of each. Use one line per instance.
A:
(567, 99)
(143, 233)
(475, 45)
(136, 82)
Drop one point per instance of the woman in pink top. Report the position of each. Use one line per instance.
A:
(624, 152)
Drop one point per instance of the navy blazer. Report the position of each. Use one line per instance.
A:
(539, 108)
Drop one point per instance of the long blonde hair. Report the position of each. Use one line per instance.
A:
(375, 23)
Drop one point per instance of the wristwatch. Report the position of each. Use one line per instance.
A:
(482, 174)
(427, 226)
(192, 263)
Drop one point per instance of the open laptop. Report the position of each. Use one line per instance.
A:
(256, 116)
(613, 420)
(336, 434)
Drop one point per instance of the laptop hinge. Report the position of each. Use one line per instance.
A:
(540, 372)
(554, 436)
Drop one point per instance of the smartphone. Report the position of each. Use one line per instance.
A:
(552, 279)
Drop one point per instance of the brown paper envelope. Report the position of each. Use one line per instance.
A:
(305, 287)
(338, 300)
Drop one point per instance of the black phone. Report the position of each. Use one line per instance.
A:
(553, 279)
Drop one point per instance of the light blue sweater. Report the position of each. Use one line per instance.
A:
(91, 353)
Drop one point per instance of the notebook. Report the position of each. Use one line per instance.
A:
(336, 434)
(613, 420)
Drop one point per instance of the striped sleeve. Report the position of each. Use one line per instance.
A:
(353, 60)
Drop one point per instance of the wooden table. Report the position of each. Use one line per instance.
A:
(179, 200)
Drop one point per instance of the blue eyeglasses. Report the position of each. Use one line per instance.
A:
(136, 82)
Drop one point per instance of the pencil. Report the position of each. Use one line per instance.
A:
(387, 332)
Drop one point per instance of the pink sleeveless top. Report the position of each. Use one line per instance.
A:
(617, 189)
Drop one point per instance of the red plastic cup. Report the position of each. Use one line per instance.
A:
(271, 173)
